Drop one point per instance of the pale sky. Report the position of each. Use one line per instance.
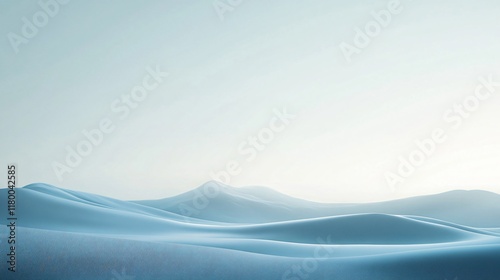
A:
(352, 120)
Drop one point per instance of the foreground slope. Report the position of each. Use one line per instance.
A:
(58, 255)
(66, 234)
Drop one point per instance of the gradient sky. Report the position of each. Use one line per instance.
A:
(353, 120)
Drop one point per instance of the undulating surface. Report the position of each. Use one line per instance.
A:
(253, 233)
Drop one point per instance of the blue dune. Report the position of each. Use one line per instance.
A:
(253, 233)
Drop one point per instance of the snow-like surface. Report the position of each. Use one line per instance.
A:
(253, 233)
(259, 204)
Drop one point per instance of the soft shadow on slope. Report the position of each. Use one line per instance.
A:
(92, 234)
(261, 205)
(61, 210)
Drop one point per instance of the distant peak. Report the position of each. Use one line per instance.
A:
(212, 184)
(470, 192)
(263, 188)
(33, 186)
